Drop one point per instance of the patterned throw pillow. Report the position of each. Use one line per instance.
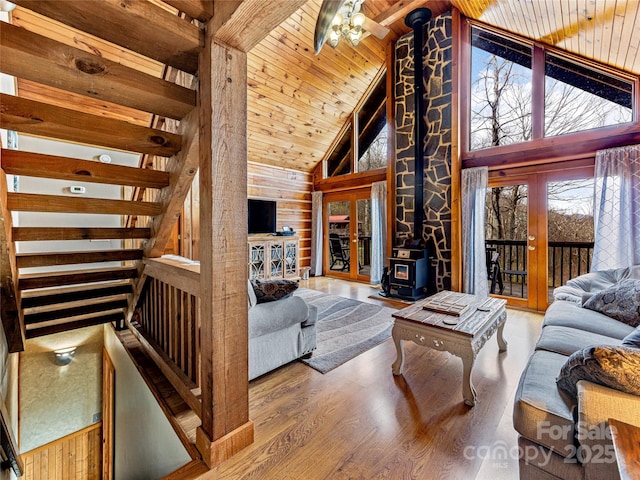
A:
(633, 339)
(614, 367)
(620, 301)
(271, 290)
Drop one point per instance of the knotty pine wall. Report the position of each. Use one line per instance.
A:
(290, 188)
(76, 456)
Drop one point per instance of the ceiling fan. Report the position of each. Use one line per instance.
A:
(342, 19)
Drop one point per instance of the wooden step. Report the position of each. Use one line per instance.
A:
(33, 202)
(39, 165)
(89, 308)
(41, 298)
(57, 279)
(159, 34)
(34, 57)
(26, 260)
(42, 119)
(66, 326)
(35, 234)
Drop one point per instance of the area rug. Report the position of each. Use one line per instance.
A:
(345, 329)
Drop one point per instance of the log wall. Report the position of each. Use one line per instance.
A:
(290, 188)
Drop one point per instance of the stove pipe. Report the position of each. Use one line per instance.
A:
(417, 19)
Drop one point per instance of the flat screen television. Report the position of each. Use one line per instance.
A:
(262, 216)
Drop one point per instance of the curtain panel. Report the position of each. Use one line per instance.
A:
(316, 233)
(616, 214)
(378, 230)
(474, 192)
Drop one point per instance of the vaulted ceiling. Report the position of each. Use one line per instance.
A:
(298, 101)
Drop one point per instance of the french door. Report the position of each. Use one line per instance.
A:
(347, 234)
(539, 231)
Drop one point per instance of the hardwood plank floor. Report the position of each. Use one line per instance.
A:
(359, 421)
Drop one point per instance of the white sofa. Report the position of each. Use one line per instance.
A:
(560, 439)
(279, 332)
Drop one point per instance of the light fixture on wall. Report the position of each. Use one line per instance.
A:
(6, 6)
(64, 356)
(347, 24)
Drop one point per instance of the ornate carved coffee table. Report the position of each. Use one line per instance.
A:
(463, 335)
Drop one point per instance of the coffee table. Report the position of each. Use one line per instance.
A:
(462, 335)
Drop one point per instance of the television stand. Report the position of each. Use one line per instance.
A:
(273, 257)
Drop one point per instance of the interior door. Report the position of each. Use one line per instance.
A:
(538, 231)
(347, 220)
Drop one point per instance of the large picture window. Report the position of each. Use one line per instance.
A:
(513, 99)
(578, 98)
(500, 90)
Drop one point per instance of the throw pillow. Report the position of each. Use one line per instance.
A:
(620, 301)
(612, 366)
(633, 339)
(271, 290)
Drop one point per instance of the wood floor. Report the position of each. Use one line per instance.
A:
(361, 422)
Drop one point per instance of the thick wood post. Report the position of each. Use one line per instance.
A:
(226, 427)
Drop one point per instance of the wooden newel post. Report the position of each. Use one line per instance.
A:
(226, 428)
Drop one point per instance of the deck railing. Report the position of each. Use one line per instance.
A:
(566, 260)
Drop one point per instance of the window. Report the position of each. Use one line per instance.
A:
(571, 96)
(339, 162)
(500, 90)
(578, 98)
(370, 124)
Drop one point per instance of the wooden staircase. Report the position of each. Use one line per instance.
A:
(131, 88)
(71, 288)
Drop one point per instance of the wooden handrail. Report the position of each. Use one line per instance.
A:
(166, 322)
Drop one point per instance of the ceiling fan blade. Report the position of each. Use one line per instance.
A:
(375, 29)
(327, 12)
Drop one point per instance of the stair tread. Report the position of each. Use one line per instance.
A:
(57, 327)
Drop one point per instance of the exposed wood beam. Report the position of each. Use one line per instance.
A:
(58, 279)
(182, 168)
(67, 295)
(251, 20)
(86, 309)
(33, 202)
(200, 9)
(36, 118)
(137, 25)
(66, 326)
(26, 260)
(17, 162)
(34, 234)
(37, 58)
(12, 320)
(225, 427)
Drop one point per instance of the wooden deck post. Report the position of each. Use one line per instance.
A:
(226, 427)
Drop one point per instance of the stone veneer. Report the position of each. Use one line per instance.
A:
(436, 230)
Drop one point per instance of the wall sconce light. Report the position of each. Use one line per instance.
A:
(64, 355)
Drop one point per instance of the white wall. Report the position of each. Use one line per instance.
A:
(61, 187)
(145, 444)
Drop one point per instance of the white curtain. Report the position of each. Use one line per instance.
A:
(316, 233)
(616, 213)
(378, 230)
(474, 191)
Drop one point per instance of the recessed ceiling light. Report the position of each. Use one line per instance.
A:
(104, 158)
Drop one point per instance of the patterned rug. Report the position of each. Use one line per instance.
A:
(345, 329)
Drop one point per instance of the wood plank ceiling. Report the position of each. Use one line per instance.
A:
(298, 101)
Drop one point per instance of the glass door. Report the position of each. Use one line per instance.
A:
(511, 241)
(539, 233)
(348, 234)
